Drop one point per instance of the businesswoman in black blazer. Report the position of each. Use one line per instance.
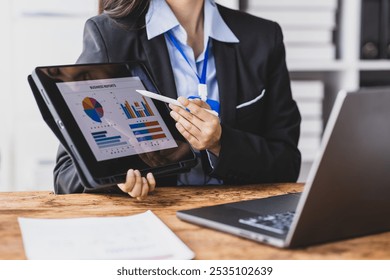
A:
(254, 140)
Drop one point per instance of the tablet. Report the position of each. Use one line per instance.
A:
(106, 126)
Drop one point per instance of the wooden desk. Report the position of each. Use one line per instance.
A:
(164, 202)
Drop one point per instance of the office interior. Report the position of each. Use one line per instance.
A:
(326, 53)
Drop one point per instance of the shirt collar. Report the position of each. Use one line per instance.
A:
(214, 25)
(160, 18)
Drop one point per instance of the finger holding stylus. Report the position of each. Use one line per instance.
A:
(201, 128)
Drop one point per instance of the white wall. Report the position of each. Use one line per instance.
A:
(39, 32)
(5, 96)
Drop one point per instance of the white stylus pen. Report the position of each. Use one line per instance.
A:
(167, 99)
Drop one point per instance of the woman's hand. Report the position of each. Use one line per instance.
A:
(201, 128)
(137, 186)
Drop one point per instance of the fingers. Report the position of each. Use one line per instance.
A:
(130, 181)
(200, 128)
(195, 107)
(151, 181)
(144, 189)
(188, 119)
(138, 186)
(186, 122)
(200, 103)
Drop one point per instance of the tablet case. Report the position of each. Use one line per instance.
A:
(54, 126)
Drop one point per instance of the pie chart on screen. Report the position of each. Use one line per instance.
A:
(93, 109)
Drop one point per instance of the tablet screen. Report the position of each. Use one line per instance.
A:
(115, 120)
(107, 126)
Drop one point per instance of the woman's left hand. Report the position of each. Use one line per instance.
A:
(201, 128)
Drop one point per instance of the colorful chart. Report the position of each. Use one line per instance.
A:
(137, 109)
(103, 141)
(93, 109)
(147, 131)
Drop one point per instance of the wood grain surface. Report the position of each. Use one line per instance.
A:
(164, 202)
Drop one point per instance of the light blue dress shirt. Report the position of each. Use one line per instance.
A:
(160, 19)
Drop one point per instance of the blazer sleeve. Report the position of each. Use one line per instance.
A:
(267, 154)
(66, 178)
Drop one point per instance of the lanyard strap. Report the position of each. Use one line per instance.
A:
(202, 77)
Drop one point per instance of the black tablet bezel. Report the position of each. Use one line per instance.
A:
(112, 170)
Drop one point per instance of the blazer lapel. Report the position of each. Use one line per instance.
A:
(225, 63)
(159, 64)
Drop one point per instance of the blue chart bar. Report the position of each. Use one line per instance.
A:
(146, 110)
(127, 113)
(103, 141)
(137, 113)
(145, 124)
(107, 139)
(148, 131)
(151, 137)
(99, 133)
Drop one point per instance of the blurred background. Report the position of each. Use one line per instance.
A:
(331, 45)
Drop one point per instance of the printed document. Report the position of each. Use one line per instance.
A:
(142, 236)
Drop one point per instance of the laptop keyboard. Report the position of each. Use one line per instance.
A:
(278, 223)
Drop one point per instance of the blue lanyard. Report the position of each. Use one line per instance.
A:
(202, 78)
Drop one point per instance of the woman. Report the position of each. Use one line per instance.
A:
(208, 56)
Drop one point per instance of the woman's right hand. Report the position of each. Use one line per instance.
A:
(138, 186)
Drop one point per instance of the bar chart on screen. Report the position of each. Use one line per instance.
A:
(143, 130)
(137, 109)
(143, 121)
(148, 131)
(104, 141)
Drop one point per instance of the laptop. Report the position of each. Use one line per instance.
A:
(347, 193)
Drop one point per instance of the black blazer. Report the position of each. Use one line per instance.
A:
(259, 139)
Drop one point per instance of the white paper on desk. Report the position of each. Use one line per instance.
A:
(141, 236)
